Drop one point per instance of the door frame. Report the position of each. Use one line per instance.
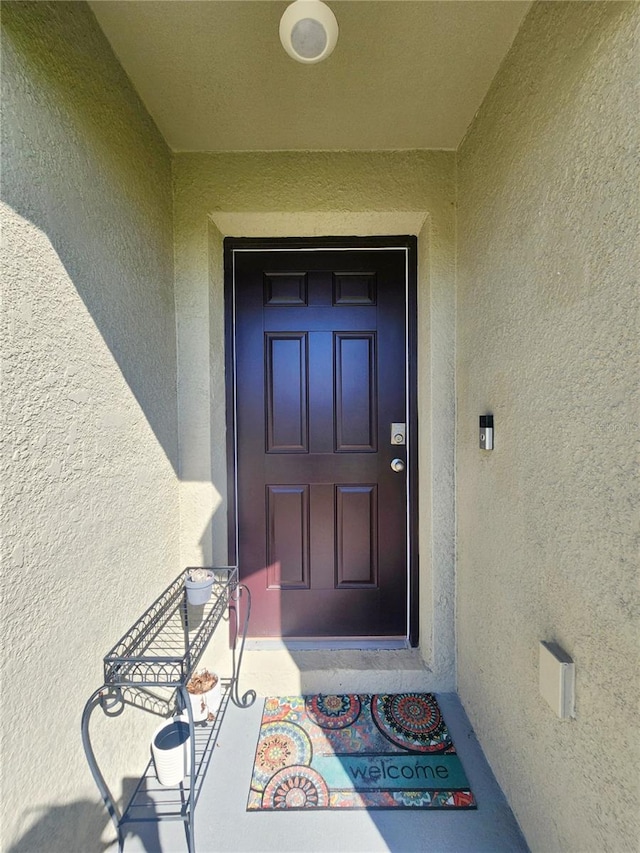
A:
(406, 243)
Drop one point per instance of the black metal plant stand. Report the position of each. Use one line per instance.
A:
(149, 668)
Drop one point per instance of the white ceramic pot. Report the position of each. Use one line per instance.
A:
(199, 592)
(203, 704)
(171, 750)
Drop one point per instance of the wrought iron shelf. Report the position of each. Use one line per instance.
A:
(171, 803)
(149, 668)
(164, 645)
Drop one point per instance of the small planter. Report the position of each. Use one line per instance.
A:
(205, 694)
(171, 751)
(199, 583)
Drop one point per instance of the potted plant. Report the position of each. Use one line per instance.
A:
(171, 751)
(205, 693)
(199, 583)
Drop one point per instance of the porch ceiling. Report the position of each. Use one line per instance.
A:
(405, 73)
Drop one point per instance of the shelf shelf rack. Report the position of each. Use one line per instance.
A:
(149, 668)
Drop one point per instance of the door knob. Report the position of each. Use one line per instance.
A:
(397, 465)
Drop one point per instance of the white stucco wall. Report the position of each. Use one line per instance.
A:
(309, 194)
(90, 504)
(547, 340)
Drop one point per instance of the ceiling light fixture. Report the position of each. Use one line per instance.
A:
(308, 31)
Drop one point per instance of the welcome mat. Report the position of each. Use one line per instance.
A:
(376, 751)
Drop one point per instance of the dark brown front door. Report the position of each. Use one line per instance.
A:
(320, 377)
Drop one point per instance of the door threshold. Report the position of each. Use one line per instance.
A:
(258, 644)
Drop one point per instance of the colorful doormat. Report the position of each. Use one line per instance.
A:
(356, 752)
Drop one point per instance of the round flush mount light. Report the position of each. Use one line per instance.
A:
(308, 30)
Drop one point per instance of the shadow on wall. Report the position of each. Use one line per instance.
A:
(79, 827)
(75, 827)
(84, 163)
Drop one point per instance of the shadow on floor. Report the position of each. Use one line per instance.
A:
(79, 827)
(73, 828)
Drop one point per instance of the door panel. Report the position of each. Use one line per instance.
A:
(320, 349)
(288, 537)
(355, 392)
(286, 389)
(357, 536)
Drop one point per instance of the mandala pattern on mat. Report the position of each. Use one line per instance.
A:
(413, 799)
(411, 720)
(453, 799)
(463, 799)
(350, 740)
(361, 800)
(281, 744)
(333, 711)
(290, 708)
(296, 787)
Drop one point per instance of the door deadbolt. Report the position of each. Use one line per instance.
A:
(397, 465)
(398, 433)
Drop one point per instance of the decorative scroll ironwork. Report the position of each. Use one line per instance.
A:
(148, 668)
(165, 644)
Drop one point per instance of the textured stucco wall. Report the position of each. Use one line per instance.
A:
(90, 506)
(304, 194)
(547, 339)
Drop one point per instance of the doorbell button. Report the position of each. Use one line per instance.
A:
(486, 432)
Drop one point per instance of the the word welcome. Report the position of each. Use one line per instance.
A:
(375, 772)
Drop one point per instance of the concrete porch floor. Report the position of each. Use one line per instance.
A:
(223, 826)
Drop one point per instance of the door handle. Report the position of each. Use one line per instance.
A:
(397, 465)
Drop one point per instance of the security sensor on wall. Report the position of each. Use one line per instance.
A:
(308, 31)
(557, 676)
